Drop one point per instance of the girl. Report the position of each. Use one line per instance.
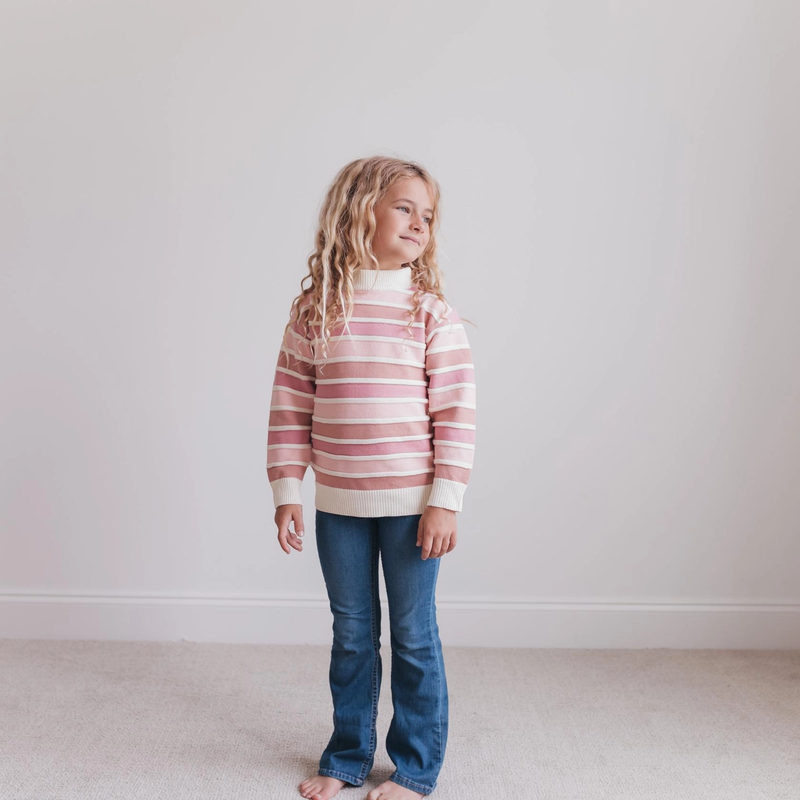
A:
(387, 421)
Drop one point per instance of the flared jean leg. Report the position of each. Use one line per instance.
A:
(417, 735)
(348, 553)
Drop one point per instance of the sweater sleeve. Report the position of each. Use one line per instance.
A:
(451, 406)
(291, 409)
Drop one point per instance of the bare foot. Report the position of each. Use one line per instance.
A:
(389, 790)
(320, 787)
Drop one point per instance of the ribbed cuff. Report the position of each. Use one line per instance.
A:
(287, 490)
(447, 494)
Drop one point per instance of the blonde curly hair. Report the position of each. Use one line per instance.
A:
(343, 243)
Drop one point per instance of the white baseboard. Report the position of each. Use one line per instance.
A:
(483, 622)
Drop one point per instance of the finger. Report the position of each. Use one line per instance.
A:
(427, 544)
(287, 537)
(282, 542)
(295, 541)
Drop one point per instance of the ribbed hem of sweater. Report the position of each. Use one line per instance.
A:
(381, 279)
(375, 502)
(390, 502)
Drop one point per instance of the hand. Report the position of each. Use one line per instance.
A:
(436, 533)
(283, 516)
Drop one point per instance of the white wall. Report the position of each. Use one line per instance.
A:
(620, 220)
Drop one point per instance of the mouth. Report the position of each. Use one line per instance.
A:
(410, 239)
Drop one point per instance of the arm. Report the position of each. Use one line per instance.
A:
(451, 407)
(291, 409)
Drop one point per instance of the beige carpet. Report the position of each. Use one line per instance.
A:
(183, 720)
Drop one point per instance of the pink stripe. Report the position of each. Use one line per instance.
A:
(358, 390)
(456, 376)
(375, 412)
(378, 448)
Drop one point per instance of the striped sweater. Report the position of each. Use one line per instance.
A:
(388, 424)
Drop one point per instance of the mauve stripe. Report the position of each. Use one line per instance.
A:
(301, 384)
(288, 437)
(454, 434)
(454, 414)
(281, 418)
(452, 473)
(286, 471)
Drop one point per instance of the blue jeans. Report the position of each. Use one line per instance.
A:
(348, 550)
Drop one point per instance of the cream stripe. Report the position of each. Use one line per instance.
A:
(446, 327)
(452, 368)
(366, 338)
(448, 443)
(348, 400)
(280, 388)
(387, 474)
(387, 320)
(376, 440)
(296, 374)
(383, 457)
(381, 381)
(370, 420)
(454, 404)
(374, 360)
(385, 304)
(288, 352)
(463, 464)
(448, 348)
(451, 386)
(289, 428)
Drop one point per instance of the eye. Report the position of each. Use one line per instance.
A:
(406, 208)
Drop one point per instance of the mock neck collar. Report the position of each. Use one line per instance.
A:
(382, 279)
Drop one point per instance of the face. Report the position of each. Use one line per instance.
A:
(403, 218)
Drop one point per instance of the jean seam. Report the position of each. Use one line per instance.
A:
(343, 776)
(438, 735)
(376, 655)
(409, 784)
